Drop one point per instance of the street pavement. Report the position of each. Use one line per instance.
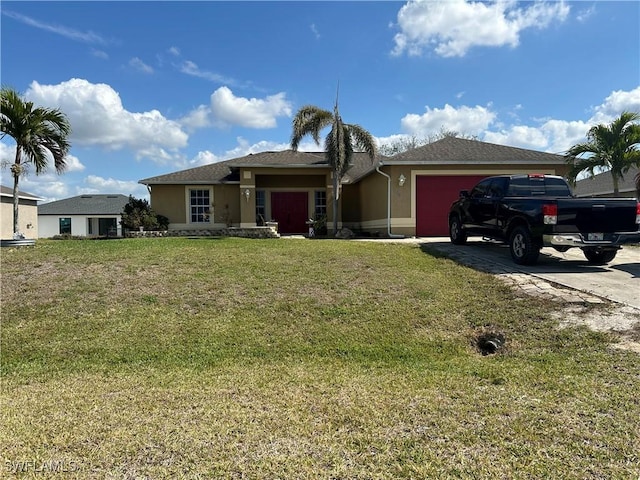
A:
(619, 281)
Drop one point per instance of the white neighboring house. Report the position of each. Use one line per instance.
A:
(27, 213)
(82, 216)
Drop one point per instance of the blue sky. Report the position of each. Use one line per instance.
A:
(155, 87)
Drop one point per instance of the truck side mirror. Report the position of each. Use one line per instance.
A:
(464, 193)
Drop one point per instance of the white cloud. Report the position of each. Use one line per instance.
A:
(450, 28)
(98, 118)
(198, 118)
(465, 120)
(175, 51)
(8, 156)
(615, 104)
(139, 65)
(557, 136)
(96, 184)
(228, 109)
(99, 54)
(71, 33)
(315, 31)
(245, 148)
(190, 68)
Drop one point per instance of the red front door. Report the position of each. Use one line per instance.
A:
(434, 196)
(291, 211)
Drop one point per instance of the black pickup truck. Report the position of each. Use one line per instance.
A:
(534, 211)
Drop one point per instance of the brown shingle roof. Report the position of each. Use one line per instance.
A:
(453, 150)
(602, 184)
(227, 171)
(8, 192)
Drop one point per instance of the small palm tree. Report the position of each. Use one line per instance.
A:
(38, 133)
(612, 147)
(340, 143)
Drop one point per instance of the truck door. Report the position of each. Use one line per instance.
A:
(477, 206)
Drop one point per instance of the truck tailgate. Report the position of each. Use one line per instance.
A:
(606, 215)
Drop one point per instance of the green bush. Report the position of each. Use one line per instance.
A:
(138, 213)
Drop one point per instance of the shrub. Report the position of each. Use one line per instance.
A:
(138, 213)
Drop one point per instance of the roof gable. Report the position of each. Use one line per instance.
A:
(86, 205)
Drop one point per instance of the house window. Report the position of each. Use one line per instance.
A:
(261, 211)
(65, 226)
(320, 210)
(200, 205)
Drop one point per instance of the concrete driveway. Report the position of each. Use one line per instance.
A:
(618, 281)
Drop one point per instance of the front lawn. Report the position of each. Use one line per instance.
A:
(234, 358)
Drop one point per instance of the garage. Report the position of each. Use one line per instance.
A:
(434, 196)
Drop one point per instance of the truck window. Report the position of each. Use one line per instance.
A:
(498, 187)
(526, 186)
(519, 187)
(481, 189)
(556, 187)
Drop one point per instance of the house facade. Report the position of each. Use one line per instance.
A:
(27, 213)
(408, 194)
(82, 216)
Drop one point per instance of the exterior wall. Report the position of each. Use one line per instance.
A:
(373, 192)
(49, 225)
(170, 201)
(27, 218)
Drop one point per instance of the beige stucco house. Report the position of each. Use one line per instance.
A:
(407, 194)
(27, 213)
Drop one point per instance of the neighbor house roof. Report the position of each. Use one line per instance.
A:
(453, 150)
(602, 184)
(8, 192)
(86, 205)
(228, 171)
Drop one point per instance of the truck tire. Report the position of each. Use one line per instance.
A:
(599, 257)
(456, 234)
(524, 250)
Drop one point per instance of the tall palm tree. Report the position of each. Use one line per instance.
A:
(39, 133)
(343, 139)
(612, 147)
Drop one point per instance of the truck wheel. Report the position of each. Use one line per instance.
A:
(456, 233)
(524, 250)
(599, 257)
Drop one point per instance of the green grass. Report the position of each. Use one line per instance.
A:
(232, 358)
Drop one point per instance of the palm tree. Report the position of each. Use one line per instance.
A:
(340, 143)
(612, 147)
(39, 133)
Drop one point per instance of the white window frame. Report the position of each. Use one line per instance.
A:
(209, 217)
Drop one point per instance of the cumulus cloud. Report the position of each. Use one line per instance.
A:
(98, 118)
(466, 120)
(227, 109)
(557, 136)
(450, 28)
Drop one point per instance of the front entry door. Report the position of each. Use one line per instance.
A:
(290, 210)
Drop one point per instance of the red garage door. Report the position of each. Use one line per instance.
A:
(434, 196)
